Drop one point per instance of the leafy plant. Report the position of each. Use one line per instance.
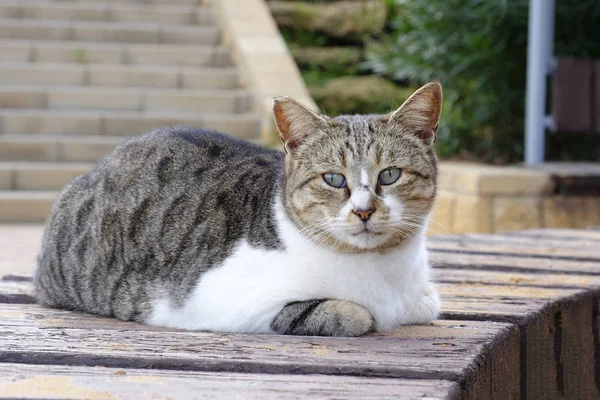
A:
(359, 95)
(478, 50)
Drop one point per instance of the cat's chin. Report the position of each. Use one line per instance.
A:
(365, 239)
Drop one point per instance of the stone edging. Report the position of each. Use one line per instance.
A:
(262, 56)
(486, 199)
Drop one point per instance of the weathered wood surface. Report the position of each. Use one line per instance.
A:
(521, 314)
(66, 382)
(507, 262)
(581, 250)
(447, 350)
(562, 234)
(566, 323)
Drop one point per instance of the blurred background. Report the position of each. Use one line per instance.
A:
(368, 56)
(79, 77)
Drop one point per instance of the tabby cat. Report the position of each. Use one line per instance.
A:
(192, 229)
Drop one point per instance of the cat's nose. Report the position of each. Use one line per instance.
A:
(364, 214)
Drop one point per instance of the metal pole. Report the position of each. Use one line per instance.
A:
(539, 61)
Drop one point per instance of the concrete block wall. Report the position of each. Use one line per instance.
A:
(485, 199)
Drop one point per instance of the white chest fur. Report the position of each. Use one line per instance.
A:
(251, 287)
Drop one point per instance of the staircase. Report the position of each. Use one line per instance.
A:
(79, 77)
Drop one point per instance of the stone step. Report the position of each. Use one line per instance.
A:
(53, 148)
(93, 31)
(106, 11)
(39, 175)
(59, 148)
(124, 123)
(113, 53)
(118, 75)
(124, 99)
(25, 206)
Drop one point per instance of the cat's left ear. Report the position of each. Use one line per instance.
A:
(420, 113)
(294, 121)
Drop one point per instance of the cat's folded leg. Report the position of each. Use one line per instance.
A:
(428, 307)
(323, 318)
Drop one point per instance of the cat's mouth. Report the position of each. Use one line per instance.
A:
(366, 231)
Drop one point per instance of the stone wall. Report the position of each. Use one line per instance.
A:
(267, 67)
(481, 198)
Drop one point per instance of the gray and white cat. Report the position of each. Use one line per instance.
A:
(193, 229)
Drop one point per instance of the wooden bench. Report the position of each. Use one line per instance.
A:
(521, 320)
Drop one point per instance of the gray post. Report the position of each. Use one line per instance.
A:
(539, 64)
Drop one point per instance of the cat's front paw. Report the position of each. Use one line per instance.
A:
(344, 318)
(324, 318)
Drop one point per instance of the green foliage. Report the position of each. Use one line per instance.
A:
(359, 95)
(304, 38)
(350, 22)
(319, 64)
(478, 50)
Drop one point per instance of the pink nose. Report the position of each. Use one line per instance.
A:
(364, 214)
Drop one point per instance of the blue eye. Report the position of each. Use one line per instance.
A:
(389, 175)
(334, 180)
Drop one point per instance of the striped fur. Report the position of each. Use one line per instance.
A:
(158, 212)
(323, 318)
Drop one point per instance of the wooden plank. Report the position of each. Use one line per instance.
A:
(572, 95)
(563, 234)
(489, 298)
(65, 382)
(24, 315)
(483, 302)
(522, 244)
(476, 301)
(445, 350)
(518, 305)
(559, 346)
(522, 279)
(549, 341)
(555, 324)
(522, 240)
(502, 361)
(566, 326)
(540, 250)
(495, 262)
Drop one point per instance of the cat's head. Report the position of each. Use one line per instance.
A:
(364, 182)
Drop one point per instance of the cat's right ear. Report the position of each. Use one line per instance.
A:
(294, 122)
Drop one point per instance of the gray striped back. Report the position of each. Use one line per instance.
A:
(156, 213)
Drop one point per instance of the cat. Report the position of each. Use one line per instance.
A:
(190, 228)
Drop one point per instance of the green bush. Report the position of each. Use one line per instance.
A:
(359, 95)
(345, 21)
(337, 60)
(478, 50)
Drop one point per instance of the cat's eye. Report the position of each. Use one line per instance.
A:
(334, 180)
(389, 175)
